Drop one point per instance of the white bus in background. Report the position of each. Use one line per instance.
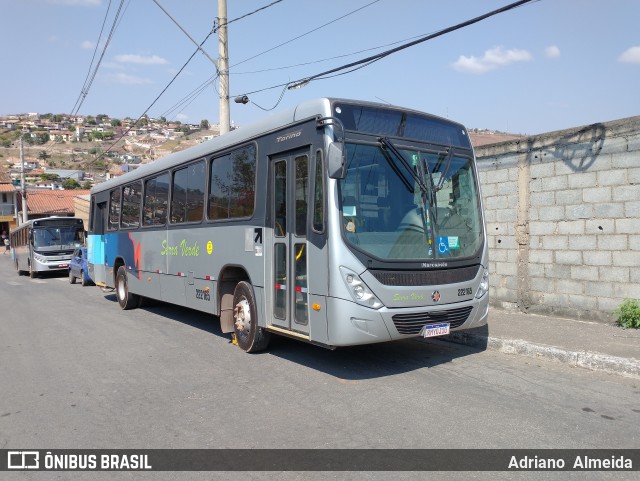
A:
(337, 222)
(45, 245)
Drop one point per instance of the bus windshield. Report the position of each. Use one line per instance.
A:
(430, 212)
(57, 238)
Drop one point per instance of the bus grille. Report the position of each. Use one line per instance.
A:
(413, 323)
(426, 278)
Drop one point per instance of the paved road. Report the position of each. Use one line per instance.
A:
(77, 372)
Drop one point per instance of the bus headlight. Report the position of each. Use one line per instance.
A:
(484, 285)
(359, 290)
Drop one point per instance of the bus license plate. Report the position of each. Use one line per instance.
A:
(434, 330)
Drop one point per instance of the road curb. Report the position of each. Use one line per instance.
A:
(594, 361)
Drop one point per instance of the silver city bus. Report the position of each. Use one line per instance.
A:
(337, 222)
(46, 245)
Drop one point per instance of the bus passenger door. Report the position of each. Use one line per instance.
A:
(96, 244)
(289, 287)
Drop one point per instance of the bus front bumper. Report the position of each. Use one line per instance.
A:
(351, 324)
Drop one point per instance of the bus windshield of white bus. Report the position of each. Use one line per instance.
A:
(52, 238)
(411, 203)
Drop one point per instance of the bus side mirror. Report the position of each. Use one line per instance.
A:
(336, 161)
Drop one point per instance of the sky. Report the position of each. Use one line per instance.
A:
(545, 66)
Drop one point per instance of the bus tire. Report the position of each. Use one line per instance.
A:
(126, 299)
(249, 335)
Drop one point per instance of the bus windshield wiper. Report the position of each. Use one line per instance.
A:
(389, 146)
(427, 195)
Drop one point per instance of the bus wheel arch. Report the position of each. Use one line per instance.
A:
(238, 309)
(228, 277)
(249, 336)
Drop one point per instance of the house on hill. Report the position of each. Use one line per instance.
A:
(46, 203)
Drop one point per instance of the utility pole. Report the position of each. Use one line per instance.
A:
(25, 214)
(223, 68)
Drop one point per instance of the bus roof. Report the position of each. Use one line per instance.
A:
(305, 110)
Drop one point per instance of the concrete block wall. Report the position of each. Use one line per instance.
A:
(563, 219)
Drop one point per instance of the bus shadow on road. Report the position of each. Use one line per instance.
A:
(198, 319)
(347, 363)
(377, 360)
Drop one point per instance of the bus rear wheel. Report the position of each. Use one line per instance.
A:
(126, 299)
(249, 336)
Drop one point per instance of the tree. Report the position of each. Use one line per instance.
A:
(204, 124)
(143, 121)
(86, 185)
(49, 177)
(116, 123)
(43, 155)
(40, 139)
(70, 184)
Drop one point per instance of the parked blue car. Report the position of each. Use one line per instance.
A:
(78, 268)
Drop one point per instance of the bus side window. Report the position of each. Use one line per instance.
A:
(114, 209)
(156, 198)
(187, 200)
(318, 199)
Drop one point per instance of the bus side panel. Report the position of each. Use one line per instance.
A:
(119, 247)
(150, 266)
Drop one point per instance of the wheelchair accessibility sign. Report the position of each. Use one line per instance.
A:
(445, 244)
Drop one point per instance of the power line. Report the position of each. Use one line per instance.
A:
(85, 91)
(374, 58)
(304, 34)
(95, 50)
(198, 90)
(187, 34)
(157, 98)
(328, 58)
(251, 13)
(190, 97)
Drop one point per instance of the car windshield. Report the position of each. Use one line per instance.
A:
(430, 212)
(56, 238)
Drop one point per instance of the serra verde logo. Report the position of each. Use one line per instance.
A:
(183, 249)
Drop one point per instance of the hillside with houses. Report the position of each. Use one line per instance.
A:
(66, 152)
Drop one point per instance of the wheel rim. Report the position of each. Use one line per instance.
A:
(242, 318)
(122, 289)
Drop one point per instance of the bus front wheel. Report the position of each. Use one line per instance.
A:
(126, 299)
(249, 336)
